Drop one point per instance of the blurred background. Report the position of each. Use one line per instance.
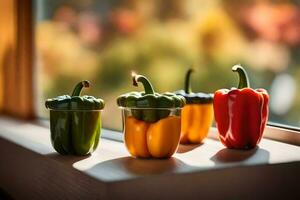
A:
(103, 41)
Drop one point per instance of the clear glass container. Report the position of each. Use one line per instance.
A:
(151, 132)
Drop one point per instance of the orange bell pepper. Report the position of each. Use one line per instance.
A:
(196, 121)
(163, 137)
(136, 137)
(197, 114)
(158, 140)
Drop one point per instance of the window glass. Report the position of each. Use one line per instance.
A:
(103, 41)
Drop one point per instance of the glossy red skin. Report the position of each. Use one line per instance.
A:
(241, 116)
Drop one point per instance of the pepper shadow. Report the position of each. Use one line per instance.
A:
(67, 159)
(257, 155)
(128, 167)
(183, 148)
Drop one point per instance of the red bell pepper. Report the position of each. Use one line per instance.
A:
(241, 114)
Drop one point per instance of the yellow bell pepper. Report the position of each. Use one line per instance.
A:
(158, 140)
(196, 121)
(197, 114)
(136, 137)
(163, 137)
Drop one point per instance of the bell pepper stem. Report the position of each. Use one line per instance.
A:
(187, 84)
(243, 77)
(146, 83)
(79, 86)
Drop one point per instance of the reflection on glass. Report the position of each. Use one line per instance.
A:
(103, 41)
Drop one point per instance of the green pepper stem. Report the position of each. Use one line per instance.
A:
(146, 83)
(244, 80)
(79, 86)
(188, 85)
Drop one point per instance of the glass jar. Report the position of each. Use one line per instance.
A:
(151, 132)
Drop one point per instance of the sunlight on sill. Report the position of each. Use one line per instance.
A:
(112, 162)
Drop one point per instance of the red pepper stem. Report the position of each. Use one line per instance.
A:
(187, 84)
(146, 83)
(243, 77)
(79, 86)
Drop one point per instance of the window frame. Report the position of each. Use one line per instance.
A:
(16, 62)
(25, 94)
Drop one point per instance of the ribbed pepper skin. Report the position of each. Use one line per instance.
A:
(163, 137)
(86, 127)
(59, 129)
(75, 132)
(75, 122)
(152, 140)
(241, 116)
(196, 119)
(150, 100)
(135, 137)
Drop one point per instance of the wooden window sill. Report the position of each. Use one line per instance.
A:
(31, 169)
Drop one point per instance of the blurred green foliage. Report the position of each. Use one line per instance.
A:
(84, 40)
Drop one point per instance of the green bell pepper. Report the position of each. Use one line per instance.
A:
(155, 105)
(75, 122)
(190, 96)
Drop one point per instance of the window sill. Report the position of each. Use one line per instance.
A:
(31, 169)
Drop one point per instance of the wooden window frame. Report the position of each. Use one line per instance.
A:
(16, 58)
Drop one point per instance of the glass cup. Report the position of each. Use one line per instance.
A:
(75, 132)
(151, 132)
